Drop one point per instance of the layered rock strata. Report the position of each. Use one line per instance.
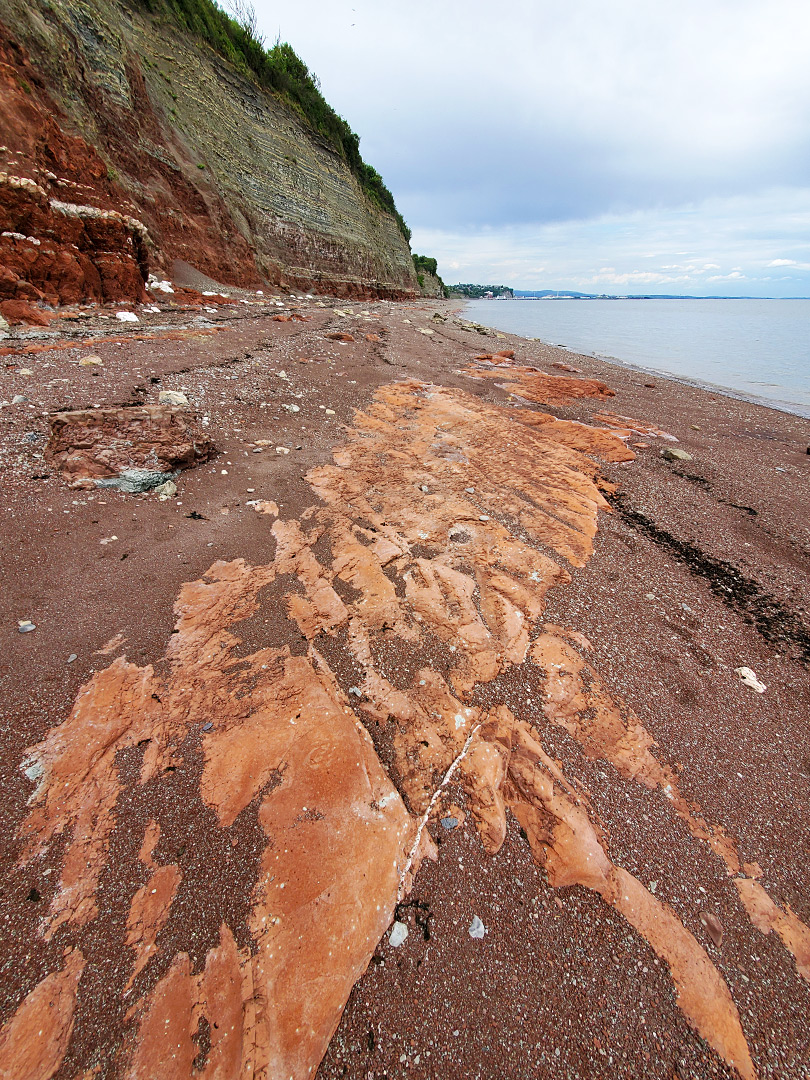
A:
(123, 137)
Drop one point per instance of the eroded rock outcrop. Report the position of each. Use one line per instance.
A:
(313, 760)
(134, 448)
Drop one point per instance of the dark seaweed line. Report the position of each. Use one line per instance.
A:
(772, 620)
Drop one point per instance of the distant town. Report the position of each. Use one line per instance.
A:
(505, 292)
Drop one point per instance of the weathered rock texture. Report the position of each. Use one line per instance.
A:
(134, 448)
(309, 775)
(125, 139)
(430, 286)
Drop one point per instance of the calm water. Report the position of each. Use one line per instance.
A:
(756, 349)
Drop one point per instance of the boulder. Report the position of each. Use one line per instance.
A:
(15, 312)
(133, 449)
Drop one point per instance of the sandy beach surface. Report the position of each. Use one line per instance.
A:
(444, 641)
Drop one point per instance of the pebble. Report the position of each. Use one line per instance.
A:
(282, 449)
(72, 657)
(25, 626)
(399, 932)
(329, 412)
(750, 679)
(25, 371)
(108, 539)
(477, 928)
(167, 490)
(354, 690)
(208, 726)
(484, 517)
(126, 316)
(90, 361)
(291, 408)
(18, 399)
(449, 823)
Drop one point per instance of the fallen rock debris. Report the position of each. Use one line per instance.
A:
(133, 449)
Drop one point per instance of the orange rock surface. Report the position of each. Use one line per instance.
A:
(420, 577)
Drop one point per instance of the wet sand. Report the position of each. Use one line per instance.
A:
(698, 568)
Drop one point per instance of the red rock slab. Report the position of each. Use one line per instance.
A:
(602, 443)
(95, 444)
(518, 774)
(149, 912)
(529, 384)
(16, 312)
(397, 561)
(337, 835)
(766, 915)
(629, 427)
(34, 1041)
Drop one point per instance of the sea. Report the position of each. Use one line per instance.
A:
(757, 350)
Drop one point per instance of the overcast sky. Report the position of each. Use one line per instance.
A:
(600, 145)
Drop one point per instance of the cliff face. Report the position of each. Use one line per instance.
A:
(128, 142)
(430, 285)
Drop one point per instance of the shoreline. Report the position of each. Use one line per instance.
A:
(794, 408)
(696, 568)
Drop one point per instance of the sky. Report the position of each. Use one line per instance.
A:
(618, 147)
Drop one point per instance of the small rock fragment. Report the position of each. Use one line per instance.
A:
(449, 823)
(264, 506)
(126, 316)
(292, 408)
(108, 539)
(282, 449)
(166, 490)
(72, 658)
(750, 679)
(172, 397)
(714, 927)
(399, 932)
(477, 928)
(90, 361)
(672, 453)
(208, 726)
(25, 626)
(25, 371)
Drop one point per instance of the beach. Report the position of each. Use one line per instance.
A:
(644, 907)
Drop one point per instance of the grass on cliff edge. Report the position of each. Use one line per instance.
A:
(280, 70)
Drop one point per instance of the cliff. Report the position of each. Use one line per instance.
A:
(427, 276)
(128, 144)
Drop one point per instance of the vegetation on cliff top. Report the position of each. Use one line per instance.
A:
(424, 264)
(280, 70)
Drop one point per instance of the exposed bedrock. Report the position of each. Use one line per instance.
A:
(107, 108)
(311, 768)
